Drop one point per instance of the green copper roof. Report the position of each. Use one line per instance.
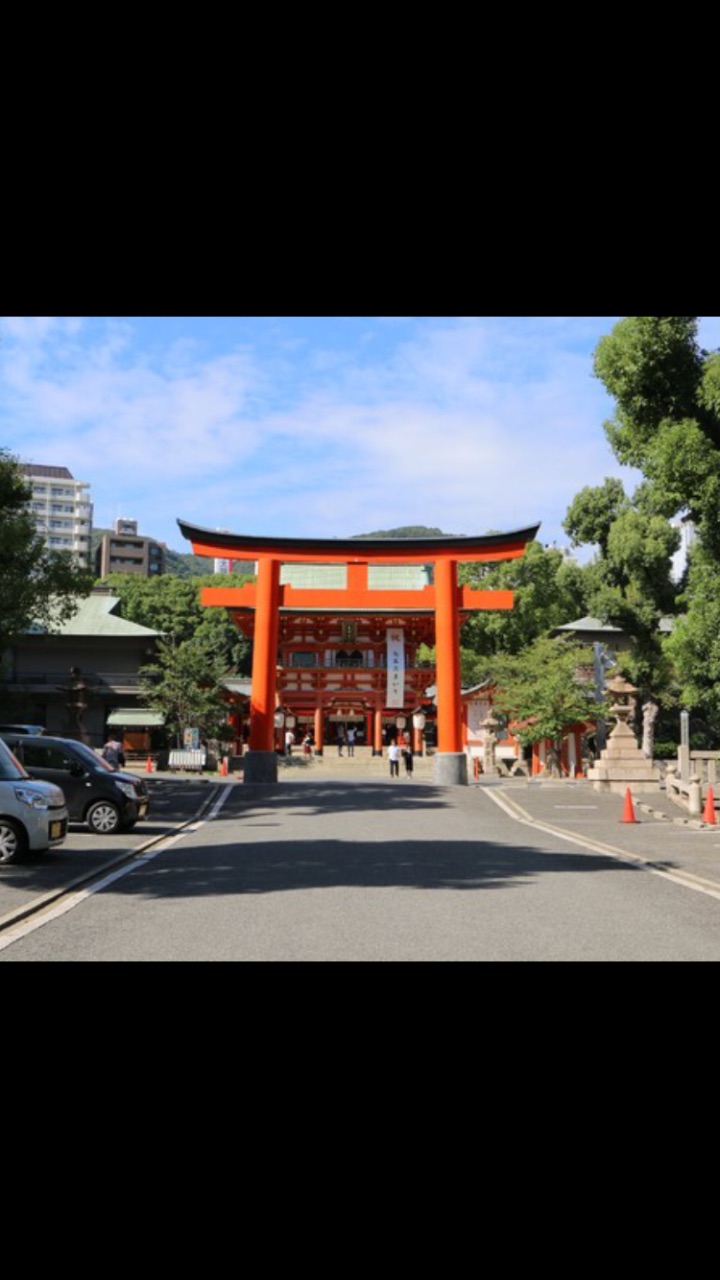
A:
(96, 616)
(588, 624)
(136, 718)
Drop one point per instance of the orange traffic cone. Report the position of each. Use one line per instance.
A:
(223, 768)
(148, 766)
(628, 811)
(709, 813)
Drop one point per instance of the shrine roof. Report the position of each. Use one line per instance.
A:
(250, 547)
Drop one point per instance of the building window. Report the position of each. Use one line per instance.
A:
(302, 658)
(344, 659)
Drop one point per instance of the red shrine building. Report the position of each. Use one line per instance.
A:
(336, 625)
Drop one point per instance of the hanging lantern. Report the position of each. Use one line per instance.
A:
(400, 721)
(419, 721)
(290, 722)
(279, 719)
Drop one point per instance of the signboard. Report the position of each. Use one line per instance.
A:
(191, 739)
(395, 667)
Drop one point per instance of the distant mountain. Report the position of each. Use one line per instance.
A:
(407, 531)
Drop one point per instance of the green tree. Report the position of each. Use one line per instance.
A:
(654, 369)
(667, 416)
(37, 585)
(593, 512)
(693, 646)
(185, 683)
(630, 583)
(549, 590)
(172, 606)
(666, 423)
(544, 689)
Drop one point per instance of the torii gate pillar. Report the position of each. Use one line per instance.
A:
(261, 759)
(450, 766)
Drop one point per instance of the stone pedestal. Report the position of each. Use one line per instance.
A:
(450, 769)
(260, 767)
(622, 763)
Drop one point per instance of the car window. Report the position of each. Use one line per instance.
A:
(90, 759)
(37, 756)
(10, 769)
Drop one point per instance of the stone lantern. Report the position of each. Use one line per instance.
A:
(488, 726)
(622, 763)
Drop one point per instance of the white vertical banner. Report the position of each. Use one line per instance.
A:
(395, 667)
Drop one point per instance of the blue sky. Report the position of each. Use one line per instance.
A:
(315, 425)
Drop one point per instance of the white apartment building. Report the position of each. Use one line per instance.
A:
(62, 509)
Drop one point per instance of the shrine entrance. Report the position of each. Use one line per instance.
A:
(336, 626)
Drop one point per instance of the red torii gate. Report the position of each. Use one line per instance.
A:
(445, 598)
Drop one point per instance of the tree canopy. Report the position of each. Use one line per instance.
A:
(185, 682)
(549, 590)
(546, 688)
(667, 416)
(172, 606)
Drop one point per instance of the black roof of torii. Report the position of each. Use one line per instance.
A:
(249, 547)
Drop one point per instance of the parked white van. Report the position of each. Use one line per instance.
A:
(33, 815)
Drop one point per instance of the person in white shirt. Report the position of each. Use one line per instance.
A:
(394, 758)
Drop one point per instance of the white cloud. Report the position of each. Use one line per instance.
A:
(314, 426)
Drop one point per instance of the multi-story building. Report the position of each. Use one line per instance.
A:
(62, 509)
(125, 551)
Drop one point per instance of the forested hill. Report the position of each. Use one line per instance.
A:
(407, 531)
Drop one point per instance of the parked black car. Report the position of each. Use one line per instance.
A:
(21, 728)
(96, 794)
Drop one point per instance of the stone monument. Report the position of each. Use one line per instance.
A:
(622, 763)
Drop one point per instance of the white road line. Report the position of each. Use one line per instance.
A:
(685, 878)
(73, 900)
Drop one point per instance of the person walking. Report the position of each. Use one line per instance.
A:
(351, 741)
(113, 754)
(408, 759)
(289, 742)
(340, 738)
(394, 758)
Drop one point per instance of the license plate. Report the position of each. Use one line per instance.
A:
(56, 830)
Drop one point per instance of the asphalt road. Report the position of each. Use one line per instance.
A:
(338, 870)
(173, 801)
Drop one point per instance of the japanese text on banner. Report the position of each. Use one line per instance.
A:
(395, 667)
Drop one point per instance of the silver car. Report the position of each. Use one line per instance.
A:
(33, 815)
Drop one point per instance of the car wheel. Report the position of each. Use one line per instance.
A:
(12, 840)
(103, 818)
